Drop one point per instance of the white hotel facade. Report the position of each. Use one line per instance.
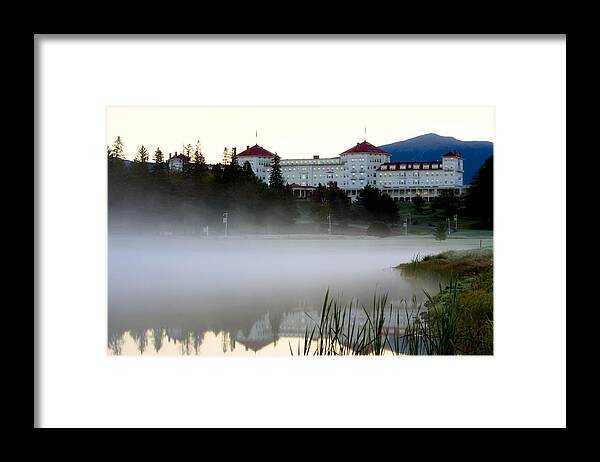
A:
(359, 166)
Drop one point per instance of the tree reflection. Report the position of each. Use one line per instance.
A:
(157, 336)
(227, 341)
(140, 339)
(116, 341)
(198, 338)
(186, 343)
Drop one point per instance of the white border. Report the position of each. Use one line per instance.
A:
(522, 385)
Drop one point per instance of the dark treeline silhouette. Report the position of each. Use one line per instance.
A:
(480, 200)
(149, 197)
(188, 332)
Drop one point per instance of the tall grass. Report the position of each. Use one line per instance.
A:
(439, 326)
(436, 335)
(338, 333)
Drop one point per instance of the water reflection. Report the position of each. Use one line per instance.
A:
(265, 331)
(194, 297)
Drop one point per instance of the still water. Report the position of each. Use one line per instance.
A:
(254, 296)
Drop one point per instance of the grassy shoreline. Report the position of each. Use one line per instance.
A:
(456, 321)
(452, 263)
(467, 302)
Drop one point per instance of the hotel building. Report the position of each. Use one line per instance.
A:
(359, 166)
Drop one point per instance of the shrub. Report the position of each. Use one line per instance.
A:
(440, 231)
(378, 229)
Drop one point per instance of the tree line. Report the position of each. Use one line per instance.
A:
(147, 196)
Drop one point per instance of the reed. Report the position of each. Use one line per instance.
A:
(456, 321)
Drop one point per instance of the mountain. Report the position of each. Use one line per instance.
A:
(432, 147)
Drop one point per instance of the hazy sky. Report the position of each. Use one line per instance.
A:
(292, 132)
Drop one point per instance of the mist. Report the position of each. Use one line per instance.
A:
(188, 286)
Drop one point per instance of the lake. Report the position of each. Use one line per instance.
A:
(248, 296)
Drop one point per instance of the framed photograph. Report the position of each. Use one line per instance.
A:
(357, 253)
(227, 223)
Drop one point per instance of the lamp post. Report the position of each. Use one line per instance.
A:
(329, 221)
(225, 216)
(455, 223)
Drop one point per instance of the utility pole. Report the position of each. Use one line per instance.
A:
(225, 216)
(448, 226)
(455, 223)
(409, 219)
(329, 221)
(406, 226)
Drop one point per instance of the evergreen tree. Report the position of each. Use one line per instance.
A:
(159, 163)
(187, 151)
(117, 150)
(276, 178)
(376, 205)
(448, 201)
(247, 170)
(233, 156)
(199, 163)
(441, 231)
(331, 202)
(158, 157)
(226, 157)
(418, 201)
(140, 163)
(142, 155)
(480, 196)
(198, 156)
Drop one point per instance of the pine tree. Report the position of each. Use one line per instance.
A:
(198, 164)
(247, 170)
(158, 157)
(159, 162)
(375, 205)
(226, 157)
(117, 150)
(276, 178)
(441, 231)
(233, 156)
(187, 151)
(480, 196)
(142, 155)
(199, 160)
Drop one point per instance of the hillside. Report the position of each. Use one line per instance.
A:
(432, 147)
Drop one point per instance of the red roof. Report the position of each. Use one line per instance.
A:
(180, 156)
(452, 154)
(365, 146)
(256, 151)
